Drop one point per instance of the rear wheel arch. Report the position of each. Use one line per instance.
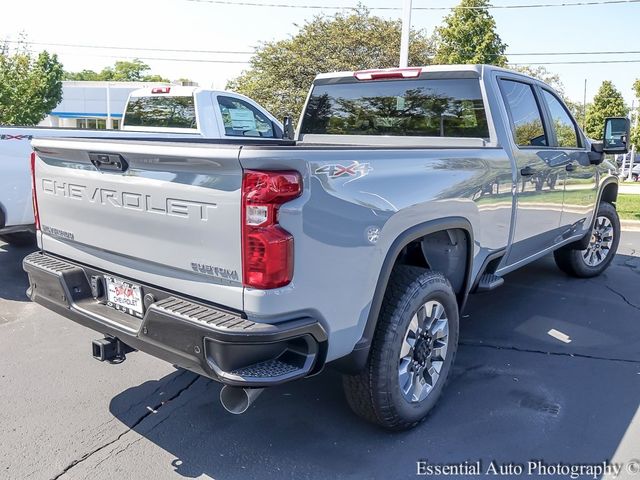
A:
(414, 238)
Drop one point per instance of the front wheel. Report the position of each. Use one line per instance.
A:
(412, 351)
(603, 245)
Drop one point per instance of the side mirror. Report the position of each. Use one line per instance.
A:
(596, 155)
(616, 135)
(287, 125)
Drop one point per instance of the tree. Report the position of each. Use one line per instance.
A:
(553, 80)
(542, 74)
(281, 72)
(608, 102)
(469, 35)
(30, 86)
(122, 71)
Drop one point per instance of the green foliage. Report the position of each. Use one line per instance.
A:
(281, 72)
(469, 35)
(542, 74)
(608, 102)
(30, 86)
(122, 71)
(628, 206)
(553, 80)
(565, 134)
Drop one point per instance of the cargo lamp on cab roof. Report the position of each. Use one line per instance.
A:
(161, 90)
(388, 73)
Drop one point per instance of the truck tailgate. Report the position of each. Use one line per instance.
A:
(168, 216)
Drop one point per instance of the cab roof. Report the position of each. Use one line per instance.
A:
(473, 70)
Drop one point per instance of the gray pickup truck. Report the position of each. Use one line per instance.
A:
(357, 244)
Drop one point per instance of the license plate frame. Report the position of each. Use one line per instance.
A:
(124, 296)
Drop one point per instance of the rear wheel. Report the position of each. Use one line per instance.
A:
(412, 351)
(602, 247)
(634, 177)
(19, 239)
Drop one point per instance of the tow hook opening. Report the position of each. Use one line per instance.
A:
(110, 349)
(237, 400)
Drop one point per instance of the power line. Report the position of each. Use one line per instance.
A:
(492, 7)
(202, 60)
(610, 52)
(251, 52)
(577, 62)
(113, 47)
(165, 59)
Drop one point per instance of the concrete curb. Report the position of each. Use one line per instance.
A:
(630, 225)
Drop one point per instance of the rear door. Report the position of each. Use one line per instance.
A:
(169, 216)
(540, 171)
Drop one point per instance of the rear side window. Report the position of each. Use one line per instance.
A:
(161, 111)
(429, 108)
(528, 129)
(242, 119)
(563, 125)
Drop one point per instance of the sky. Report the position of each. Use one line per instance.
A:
(135, 26)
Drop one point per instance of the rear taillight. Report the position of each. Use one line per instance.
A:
(267, 249)
(34, 196)
(161, 90)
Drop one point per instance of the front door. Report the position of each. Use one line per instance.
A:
(580, 184)
(540, 173)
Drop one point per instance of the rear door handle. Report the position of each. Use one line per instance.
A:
(527, 171)
(570, 167)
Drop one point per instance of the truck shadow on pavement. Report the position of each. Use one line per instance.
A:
(13, 280)
(547, 369)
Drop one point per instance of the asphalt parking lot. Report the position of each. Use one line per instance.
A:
(518, 393)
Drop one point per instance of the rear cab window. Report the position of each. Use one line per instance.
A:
(161, 111)
(524, 113)
(418, 107)
(241, 119)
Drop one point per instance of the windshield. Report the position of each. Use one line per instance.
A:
(430, 108)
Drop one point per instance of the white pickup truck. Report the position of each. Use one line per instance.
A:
(169, 112)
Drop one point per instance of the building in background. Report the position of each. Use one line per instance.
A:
(92, 104)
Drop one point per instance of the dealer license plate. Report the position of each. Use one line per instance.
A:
(124, 296)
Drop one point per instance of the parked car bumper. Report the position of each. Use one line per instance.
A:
(212, 341)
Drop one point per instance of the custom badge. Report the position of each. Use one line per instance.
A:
(351, 172)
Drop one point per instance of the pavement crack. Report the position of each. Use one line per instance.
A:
(151, 411)
(544, 352)
(623, 297)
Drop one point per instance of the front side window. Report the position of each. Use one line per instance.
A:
(563, 125)
(161, 111)
(422, 107)
(242, 119)
(528, 129)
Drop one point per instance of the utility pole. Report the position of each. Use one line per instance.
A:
(632, 157)
(404, 36)
(584, 105)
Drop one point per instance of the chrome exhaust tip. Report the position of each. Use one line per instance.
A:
(237, 400)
